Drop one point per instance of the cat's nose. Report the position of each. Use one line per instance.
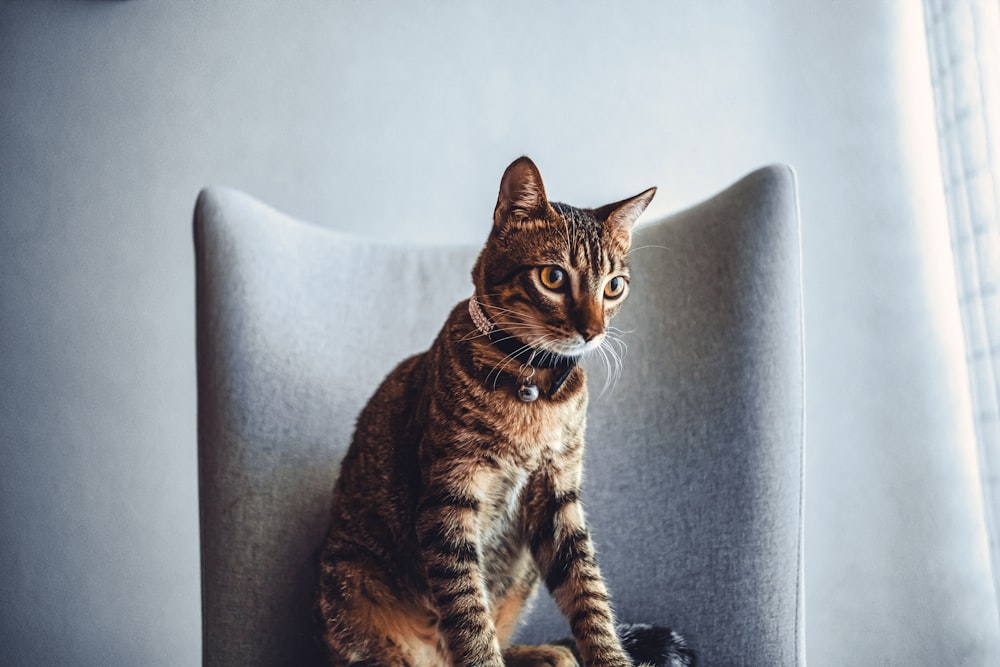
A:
(590, 331)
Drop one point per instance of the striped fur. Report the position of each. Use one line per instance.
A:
(455, 499)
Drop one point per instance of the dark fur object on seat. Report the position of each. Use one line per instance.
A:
(648, 644)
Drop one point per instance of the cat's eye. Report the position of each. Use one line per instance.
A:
(615, 287)
(552, 277)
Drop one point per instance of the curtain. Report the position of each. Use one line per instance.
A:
(963, 39)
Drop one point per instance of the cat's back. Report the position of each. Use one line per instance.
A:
(391, 412)
(379, 476)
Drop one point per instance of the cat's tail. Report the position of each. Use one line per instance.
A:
(648, 645)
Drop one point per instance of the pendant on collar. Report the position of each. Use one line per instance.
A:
(528, 392)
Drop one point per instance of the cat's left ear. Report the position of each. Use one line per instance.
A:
(522, 193)
(621, 216)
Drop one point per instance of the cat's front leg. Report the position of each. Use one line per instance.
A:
(565, 554)
(449, 543)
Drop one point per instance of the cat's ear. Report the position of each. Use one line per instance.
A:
(621, 216)
(522, 193)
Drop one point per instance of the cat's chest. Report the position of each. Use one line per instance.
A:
(502, 515)
(502, 535)
(540, 429)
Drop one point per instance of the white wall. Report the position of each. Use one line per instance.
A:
(396, 122)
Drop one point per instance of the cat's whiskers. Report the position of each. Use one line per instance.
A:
(548, 345)
(644, 247)
(637, 233)
(607, 369)
(529, 331)
(533, 334)
(501, 367)
(613, 369)
(524, 327)
(566, 230)
(612, 351)
(477, 333)
(505, 325)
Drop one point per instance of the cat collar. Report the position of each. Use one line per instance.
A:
(529, 357)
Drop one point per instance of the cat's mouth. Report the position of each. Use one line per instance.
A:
(572, 347)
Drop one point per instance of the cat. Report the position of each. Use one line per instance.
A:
(460, 492)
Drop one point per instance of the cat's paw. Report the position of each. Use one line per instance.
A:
(655, 646)
(546, 655)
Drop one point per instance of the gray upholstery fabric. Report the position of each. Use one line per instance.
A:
(694, 464)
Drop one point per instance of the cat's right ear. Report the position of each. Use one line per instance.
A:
(522, 193)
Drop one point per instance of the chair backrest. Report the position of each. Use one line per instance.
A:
(694, 459)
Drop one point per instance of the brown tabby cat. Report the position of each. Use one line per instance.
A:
(461, 489)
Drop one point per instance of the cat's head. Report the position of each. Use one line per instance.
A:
(553, 275)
